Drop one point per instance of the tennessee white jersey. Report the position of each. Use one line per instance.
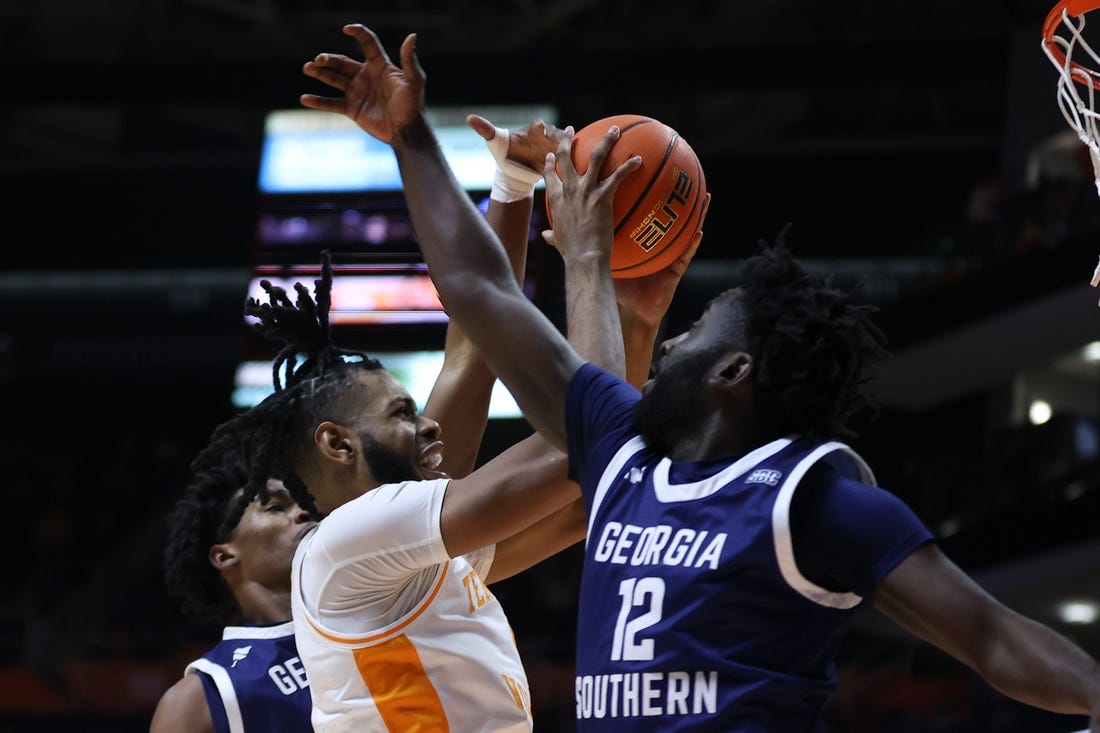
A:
(394, 634)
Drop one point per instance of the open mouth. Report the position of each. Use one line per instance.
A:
(431, 458)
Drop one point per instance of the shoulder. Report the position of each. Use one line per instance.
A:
(183, 707)
(600, 400)
(591, 377)
(861, 516)
(379, 514)
(393, 530)
(828, 498)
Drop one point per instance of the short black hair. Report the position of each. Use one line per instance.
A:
(816, 350)
(206, 514)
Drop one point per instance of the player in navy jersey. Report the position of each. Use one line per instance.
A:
(725, 550)
(253, 679)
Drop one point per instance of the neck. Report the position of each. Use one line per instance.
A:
(719, 437)
(333, 488)
(260, 605)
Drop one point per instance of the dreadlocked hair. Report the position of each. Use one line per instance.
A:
(281, 426)
(816, 351)
(206, 514)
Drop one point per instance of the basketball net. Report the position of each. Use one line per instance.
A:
(1077, 64)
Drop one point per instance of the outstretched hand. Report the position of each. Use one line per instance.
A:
(583, 224)
(648, 298)
(526, 146)
(378, 96)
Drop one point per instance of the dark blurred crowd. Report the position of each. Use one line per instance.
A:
(90, 639)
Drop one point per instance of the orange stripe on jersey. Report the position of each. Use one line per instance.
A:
(399, 686)
(388, 632)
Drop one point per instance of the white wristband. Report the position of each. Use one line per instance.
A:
(512, 181)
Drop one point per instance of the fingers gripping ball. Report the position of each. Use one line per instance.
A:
(658, 208)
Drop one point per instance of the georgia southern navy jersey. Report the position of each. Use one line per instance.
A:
(693, 613)
(255, 682)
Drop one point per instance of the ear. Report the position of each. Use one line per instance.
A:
(733, 369)
(223, 556)
(335, 442)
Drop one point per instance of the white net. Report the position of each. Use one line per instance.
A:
(1076, 90)
(1077, 64)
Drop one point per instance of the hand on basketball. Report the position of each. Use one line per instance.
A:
(648, 298)
(583, 223)
(378, 96)
(526, 146)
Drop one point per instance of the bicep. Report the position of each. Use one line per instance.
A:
(510, 493)
(183, 708)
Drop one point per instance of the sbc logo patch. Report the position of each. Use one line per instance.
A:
(767, 476)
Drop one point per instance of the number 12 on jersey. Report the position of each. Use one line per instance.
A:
(643, 593)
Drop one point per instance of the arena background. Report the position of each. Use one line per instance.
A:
(917, 149)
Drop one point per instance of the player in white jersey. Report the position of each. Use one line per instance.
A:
(394, 623)
(396, 628)
(768, 372)
(423, 644)
(230, 559)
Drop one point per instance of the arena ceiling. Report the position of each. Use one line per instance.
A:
(84, 79)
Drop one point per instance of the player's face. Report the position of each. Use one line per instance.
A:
(675, 401)
(267, 536)
(398, 443)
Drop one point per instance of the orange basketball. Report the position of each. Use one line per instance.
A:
(657, 208)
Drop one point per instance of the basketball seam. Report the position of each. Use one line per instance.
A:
(632, 125)
(649, 185)
(696, 203)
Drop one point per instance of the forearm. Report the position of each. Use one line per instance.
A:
(459, 402)
(639, 339)
(592, 313)
(1034, 664)
(459, 399)
(511, 222)
(932, 598)
(455, 239)
(564, 528)
(477, 286)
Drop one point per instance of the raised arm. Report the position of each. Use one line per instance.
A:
(459, 400)
(934, 600)
(643, 303)
(469, 268)
(642, 306)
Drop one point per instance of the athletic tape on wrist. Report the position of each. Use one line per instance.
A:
(512, 181)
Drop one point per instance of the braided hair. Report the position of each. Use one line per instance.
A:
(815, 350)
(233, 469)
(280, 428)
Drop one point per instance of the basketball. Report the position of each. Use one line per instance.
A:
(657, 208)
